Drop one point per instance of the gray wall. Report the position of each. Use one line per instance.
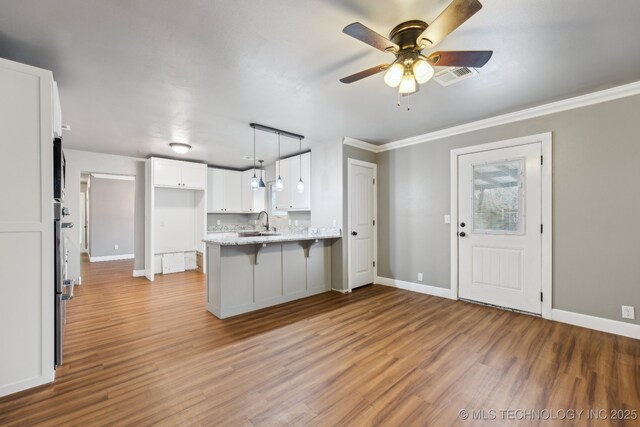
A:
(111, 217)
(596, 155)
(84, 161)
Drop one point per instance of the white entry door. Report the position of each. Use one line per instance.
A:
(499, 227)
(361, 217)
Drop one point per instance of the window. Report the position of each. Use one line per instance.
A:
(273, 211)
(498, 197)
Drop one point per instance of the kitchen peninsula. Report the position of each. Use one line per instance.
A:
(247, 272)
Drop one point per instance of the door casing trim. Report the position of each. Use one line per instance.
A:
(545, 139)
(354, 162)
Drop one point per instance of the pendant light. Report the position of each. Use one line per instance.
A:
(261, 184)
(279, 183)
(300, 185)
(254, 180)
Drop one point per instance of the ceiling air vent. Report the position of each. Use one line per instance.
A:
(453, 75)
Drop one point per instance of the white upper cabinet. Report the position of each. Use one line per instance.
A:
(194, 175)
(252, 200)
(223, 190)
(291, 170)
(178, 174)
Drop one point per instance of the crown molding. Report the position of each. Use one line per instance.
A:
(360, 144)
(598, 97)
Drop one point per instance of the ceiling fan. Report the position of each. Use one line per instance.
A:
(407, 41)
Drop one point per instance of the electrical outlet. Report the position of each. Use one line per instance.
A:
(217, 222)
(335, 223)
(296, 222)
(447, 219)
(289, 223)
(628, 312)
(419, 277)
(115, 247)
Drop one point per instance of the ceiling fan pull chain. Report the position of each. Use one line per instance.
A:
(408, 106)
(398, 93)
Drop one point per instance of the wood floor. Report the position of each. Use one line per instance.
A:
(139, 354)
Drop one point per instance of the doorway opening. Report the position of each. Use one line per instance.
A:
(107, 217)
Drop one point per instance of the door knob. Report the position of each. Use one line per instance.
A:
(462, 234)
(462, 224)
(354, 233)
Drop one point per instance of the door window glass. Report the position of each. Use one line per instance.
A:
(498, 197)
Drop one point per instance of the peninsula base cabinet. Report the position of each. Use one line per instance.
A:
(244, 278)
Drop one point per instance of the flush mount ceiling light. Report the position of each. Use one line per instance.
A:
(407, 41)
(180, 147)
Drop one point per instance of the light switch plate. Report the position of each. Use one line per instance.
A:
(628, 312)
(419, 277)
(447, 219)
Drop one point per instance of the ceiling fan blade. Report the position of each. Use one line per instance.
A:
(451, 18)
(370, 37)
(460, 58)
(366, 73)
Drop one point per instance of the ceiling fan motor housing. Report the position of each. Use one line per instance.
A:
(406, 36)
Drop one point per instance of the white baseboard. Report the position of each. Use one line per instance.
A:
(415, 287)
(138, 273)
(597, 323)
(110, 258)
(342, 291)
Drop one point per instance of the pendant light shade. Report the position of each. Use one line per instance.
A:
(254, 180)
(279, 183)
(300, 186)
(261, 183)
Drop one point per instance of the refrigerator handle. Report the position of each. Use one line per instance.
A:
(68, 283)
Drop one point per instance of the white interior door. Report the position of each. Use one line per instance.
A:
(499, 227)
(361, 233)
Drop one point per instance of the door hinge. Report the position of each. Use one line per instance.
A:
(542, 160)
(541, 228)
(374, 222)
(374, 263)
(541, 297)
(374, 181)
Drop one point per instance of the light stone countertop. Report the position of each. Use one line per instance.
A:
(231, 239)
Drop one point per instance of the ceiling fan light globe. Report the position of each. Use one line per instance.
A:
(422, 71)
(393, 76)
(407, 85)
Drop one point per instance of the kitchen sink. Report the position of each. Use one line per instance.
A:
(256, 233)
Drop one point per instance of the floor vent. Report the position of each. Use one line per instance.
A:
(454, 75)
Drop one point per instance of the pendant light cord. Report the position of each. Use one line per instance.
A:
(254, 152)
(300, 156)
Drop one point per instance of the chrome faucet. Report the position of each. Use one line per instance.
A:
(264, 212)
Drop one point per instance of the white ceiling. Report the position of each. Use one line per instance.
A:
(135, 75)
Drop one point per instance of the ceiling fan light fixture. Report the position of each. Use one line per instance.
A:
(407, 84)
(394, 74)
(422, 71)
(180, 147)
